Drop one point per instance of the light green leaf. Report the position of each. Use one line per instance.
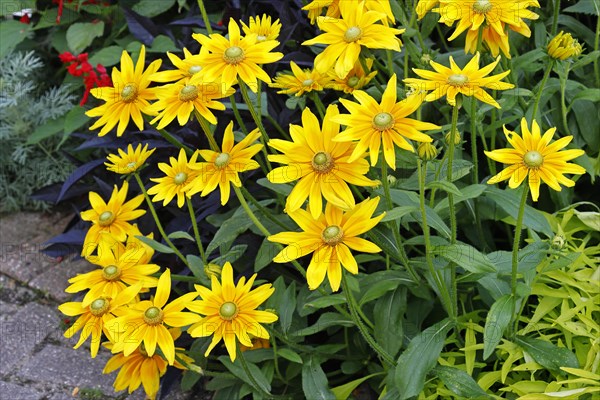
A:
(196, 265)
(398, 212)
(180, 235)
(107, 56)
(266, 253)
(465, 256)
(12, 33)
(389, 315)
(287, 307)
(229, 230)
(445, 186)
(460, 382)
(281, 188)
(547, 354)
(240, 372)
(344, 391)
(325, 301)
(81, 34)
(161, 248)
(50, 128)
(498, 319)
(314, 381)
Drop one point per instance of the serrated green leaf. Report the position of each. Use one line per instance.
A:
(81, 34)
(419, 358)
(314, 381)
(290, 355)
(161, 248)
(465, 256)
(460, 382)
(547, 354)
(180, 235)
(496, 322)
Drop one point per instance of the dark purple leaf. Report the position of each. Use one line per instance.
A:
(79, 173)
(141, 27)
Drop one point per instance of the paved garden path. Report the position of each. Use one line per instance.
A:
(36, 361)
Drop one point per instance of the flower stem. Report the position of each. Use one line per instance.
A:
(555, 17)
(205, 17)
(515, 250)
(237, 115)
(204, 124)
(169, 138)
(541, 88)
(157, 221)
(257, 120)
(318, 104)
(452, 209)
(361, 327)
(253, 381)
(563, 106)
(196, 231)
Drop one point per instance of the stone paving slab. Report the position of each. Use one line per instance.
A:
(18, 392)
(54, 280)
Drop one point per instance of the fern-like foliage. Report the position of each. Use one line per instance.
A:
(25, 104)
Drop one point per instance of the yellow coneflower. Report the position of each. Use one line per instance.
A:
(178, 176)
(563, 46)
(263, 28)
(300, 81)
(356, 79)
(130, 161)
(184, 68)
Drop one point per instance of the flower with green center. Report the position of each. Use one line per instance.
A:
(230, 312)
(563, 46)
(533, 155)
(330, 238)
(178, 175)
(130, 161)
(319, 164)
(346, 36)
(263, 28)
(129, 97)
(356, 79)
(469, 81)
(95, 317)
(184, 68)
(300, 81)
(147, 321)
(112, 217)
(180, 99)
(222, 168)
(236, 58)
(374, 124)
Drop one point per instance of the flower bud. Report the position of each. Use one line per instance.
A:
(391, 179)
(457, 137)
(212, 270)
(427, 151)
(558, 242)
(563, 46)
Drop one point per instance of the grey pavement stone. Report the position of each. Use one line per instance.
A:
(55, 279)
(12, 292)
(17, 392)
(7, 308)
(73, 368)
(22, 332)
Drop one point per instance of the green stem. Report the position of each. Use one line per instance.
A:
(237, 115)
(390, 61)
(157, 221)
(352, 306)
(253, 381)
(318, 104)
(257, 121)
(205, 17)
(541, 88)
(555, 17)
(196, 231)
(596, 44)
(442, 289)
(363, 63)
(169, 138)
(475, 174)
(278, 127)
(266, 212)
(515, 250)
(184, 278)
(452, 209)
(207, 132)
(563, 106)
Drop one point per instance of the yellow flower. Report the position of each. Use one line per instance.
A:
(315, 9)
(356, 79)
(142, 252)
(230, 311)
(128, 98)
(147, 321)
(470, 81)
(180, 99)
(494, 41)
(427, 151)
(319, 164)
(112, 217)
(300, 81)
(563, 46)
(236, 57)
(473, 14)
(424, 6)
(263, 28)
(185, 68)
(178, 176)
(128, 162)
(533, 155)
(330, 238)
(223, 168)
(94, 318)
(119, 269)
(386, 123)
(346, 36)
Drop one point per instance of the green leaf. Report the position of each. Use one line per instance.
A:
(180, 235)
(383, 237)
(586, 59)
(325, 321)
(460, 382)
(12, 33)
(239, 372)
(588, 94)
(287, 308)
(465, 256)
(498, 319)
(161, 248)
(314, 381)
(266, 253)
(232, 255)
(398, 212)
(378, 290)
(290, 355)
(162, 44)
(591, 7)
(419, 358)
(389, 314)
(547, 354)
(229, 230)
(325, 301)
(50, 128)
(189, 379)
(445, 186)
(345, 391)
(107, 56)
(81, 34)
(196, 265)
(280, 188)
(152, 8)
(75, 119)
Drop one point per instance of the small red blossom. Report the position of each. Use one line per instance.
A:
(79, 66)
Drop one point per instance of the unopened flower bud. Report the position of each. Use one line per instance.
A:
(558, 242)
(426, 58)
(427, 151)
(212, 270)
(391, 179)
(563, 46)
(448, 136)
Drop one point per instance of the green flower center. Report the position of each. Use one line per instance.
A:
(222, 160)
(322, 162)
(332, 235)
(131, 166)
(188, 93)
(352, 34)
(99, 307)
(111, 272)
(533, 159)
(458, 79)
(180, 178)
(261, 38)
(233, 55)
(482, 6)
(228, 311)
(307, 82)
(383, 121)
(353, 81)
(153, 316)
(194, 69)
(129, 93)
(106, 218)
